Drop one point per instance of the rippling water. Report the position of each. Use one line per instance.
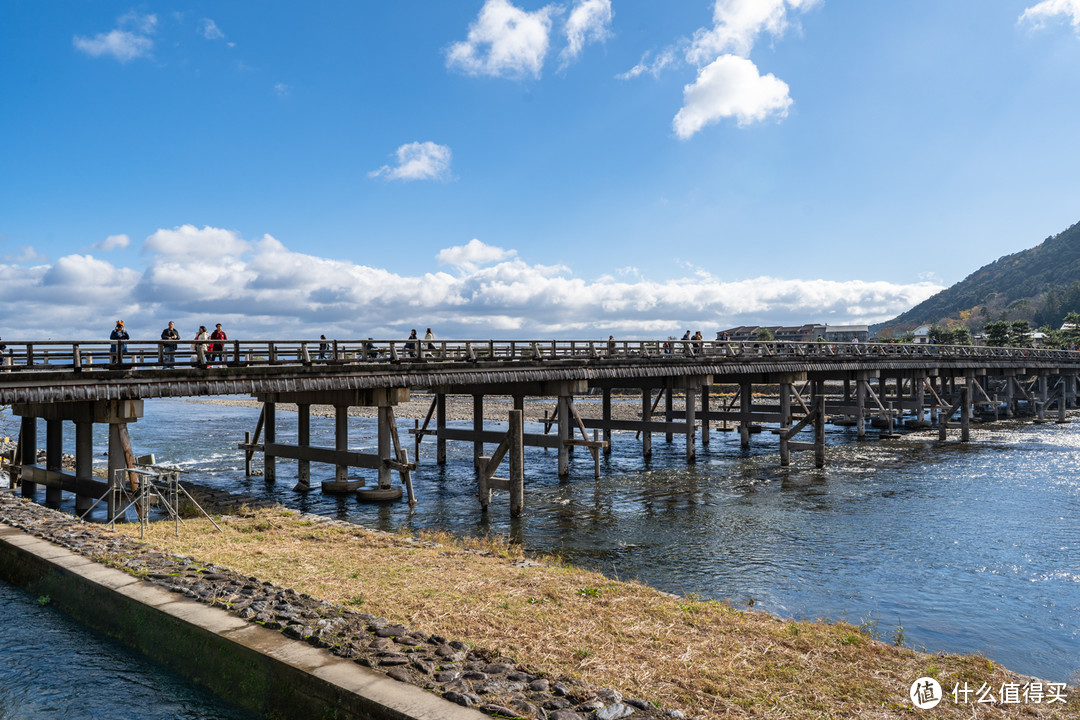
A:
(52, 668)
(972, 548)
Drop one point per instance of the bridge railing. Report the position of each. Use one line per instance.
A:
(94, 355)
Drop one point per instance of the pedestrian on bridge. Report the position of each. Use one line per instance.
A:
(200, 347)
(217, 348)
(168, 348)
(118, 348)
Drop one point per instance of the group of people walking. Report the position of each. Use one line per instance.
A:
(208, 347)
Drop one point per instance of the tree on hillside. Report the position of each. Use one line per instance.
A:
(1070, 329)
(997, 333)
(940, 335)
(1054, 338)
(1021, 334)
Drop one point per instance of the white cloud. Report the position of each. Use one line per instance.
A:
(112, 242)
(730, 87)
(728, 83)
(187, 240)
(473, 254)
(589, 21)
(282, 90)
(418, 161)
(504, 41)
(27, 255)
(1039, 14)
(130, 40)
(209, 30)
(262, 289)
(665, 59)
(737, 25)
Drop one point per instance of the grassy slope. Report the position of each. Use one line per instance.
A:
(701, 656)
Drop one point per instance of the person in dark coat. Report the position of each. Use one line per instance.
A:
(168, 349)
(118, 348)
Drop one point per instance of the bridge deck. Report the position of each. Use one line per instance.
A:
(70, 371)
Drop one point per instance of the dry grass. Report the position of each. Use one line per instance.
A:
(705, 658)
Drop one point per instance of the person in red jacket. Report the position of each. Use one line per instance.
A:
(217, 348)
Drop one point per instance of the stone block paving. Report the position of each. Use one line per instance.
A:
(498, 686)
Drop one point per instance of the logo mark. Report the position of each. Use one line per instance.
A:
(925, 693)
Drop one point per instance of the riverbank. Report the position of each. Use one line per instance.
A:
(478, 622)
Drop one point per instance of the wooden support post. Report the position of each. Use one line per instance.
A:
(303, 439)
(84, 462)
(1042, 397)
(440, 427)
(646, 416)
(564, 435)
(965, 414)
(341, 440)
(1010, 398)
(746, 397)
(819, 424)
(384, 447)
(54, 458)
(606, 414)
(115, 479)
(919, 388)
(517, 463)
(404, 468)
(249, 453)
(483, 489)
(785, 423)
(28, 451)
(860, 405)
(668, 411)
(478, 427)
(690, 394)
(270, 433)
(1061, 400)
(705, 389)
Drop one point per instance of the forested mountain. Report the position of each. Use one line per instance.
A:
(1040, 285)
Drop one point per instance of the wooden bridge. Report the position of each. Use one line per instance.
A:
(721, 386)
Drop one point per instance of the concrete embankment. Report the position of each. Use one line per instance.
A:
(251, 666)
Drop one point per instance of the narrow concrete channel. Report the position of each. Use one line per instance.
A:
(251, 666)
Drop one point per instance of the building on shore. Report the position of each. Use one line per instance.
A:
(847, 333)
(798, 333)
(795, 333)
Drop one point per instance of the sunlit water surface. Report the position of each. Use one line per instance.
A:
(967, 548)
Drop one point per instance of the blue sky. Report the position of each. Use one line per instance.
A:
(511, 168)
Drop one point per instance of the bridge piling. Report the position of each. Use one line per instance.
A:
(303, 439)
(84, 463)
(54, 458)
(270, 435)
(440, 428)
(646, 417)
(27, 452)
(706, 389)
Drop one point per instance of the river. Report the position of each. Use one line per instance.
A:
(960, 548)
(52, 668)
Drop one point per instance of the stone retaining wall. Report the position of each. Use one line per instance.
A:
(243, 638)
